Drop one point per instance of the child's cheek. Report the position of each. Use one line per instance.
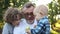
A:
(16, 23)
(37, 17)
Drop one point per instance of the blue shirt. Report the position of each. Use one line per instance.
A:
(43, 27)
(7, 29)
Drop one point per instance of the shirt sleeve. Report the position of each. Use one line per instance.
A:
(5, 29)
(47, 25)
(38, 28)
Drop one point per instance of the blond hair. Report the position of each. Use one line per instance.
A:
(40, 8)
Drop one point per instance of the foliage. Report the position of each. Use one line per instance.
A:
(4, 4)
(56, 28)
(54, 10)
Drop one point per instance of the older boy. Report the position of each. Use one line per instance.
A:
(12, 17)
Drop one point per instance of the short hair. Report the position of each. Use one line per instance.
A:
(11, 15)
(27, 5)
(42, 8)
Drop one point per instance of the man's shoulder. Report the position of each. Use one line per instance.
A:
(23, 19)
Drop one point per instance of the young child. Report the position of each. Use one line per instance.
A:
(43, 25)
(12, 18)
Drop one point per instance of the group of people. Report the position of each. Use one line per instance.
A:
(28, 20)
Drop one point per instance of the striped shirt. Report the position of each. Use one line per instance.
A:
(43, 27)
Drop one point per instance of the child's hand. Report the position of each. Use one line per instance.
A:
(28, 30)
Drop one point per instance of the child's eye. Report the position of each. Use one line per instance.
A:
(41, 13)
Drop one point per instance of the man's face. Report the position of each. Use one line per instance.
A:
(29, 13)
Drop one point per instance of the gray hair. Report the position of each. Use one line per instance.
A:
(27, 5)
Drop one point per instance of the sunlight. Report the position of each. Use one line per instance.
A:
(39, 2)
(58, 17)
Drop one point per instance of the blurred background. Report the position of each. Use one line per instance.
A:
(53, 14)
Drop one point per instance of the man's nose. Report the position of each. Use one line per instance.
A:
(29, 16)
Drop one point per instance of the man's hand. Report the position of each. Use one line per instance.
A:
(28, 30)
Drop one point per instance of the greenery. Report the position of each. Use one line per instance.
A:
(4, 4)
(54, 10)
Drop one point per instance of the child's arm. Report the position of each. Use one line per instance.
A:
(47, 25)
(38, 28)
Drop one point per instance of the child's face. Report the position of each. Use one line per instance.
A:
(39, 15)
(16, 22)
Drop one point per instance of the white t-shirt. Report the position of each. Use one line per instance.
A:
(22, 27)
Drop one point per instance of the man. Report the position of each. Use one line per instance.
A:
(28, 20)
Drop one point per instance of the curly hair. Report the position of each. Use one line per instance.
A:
(11, 15)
